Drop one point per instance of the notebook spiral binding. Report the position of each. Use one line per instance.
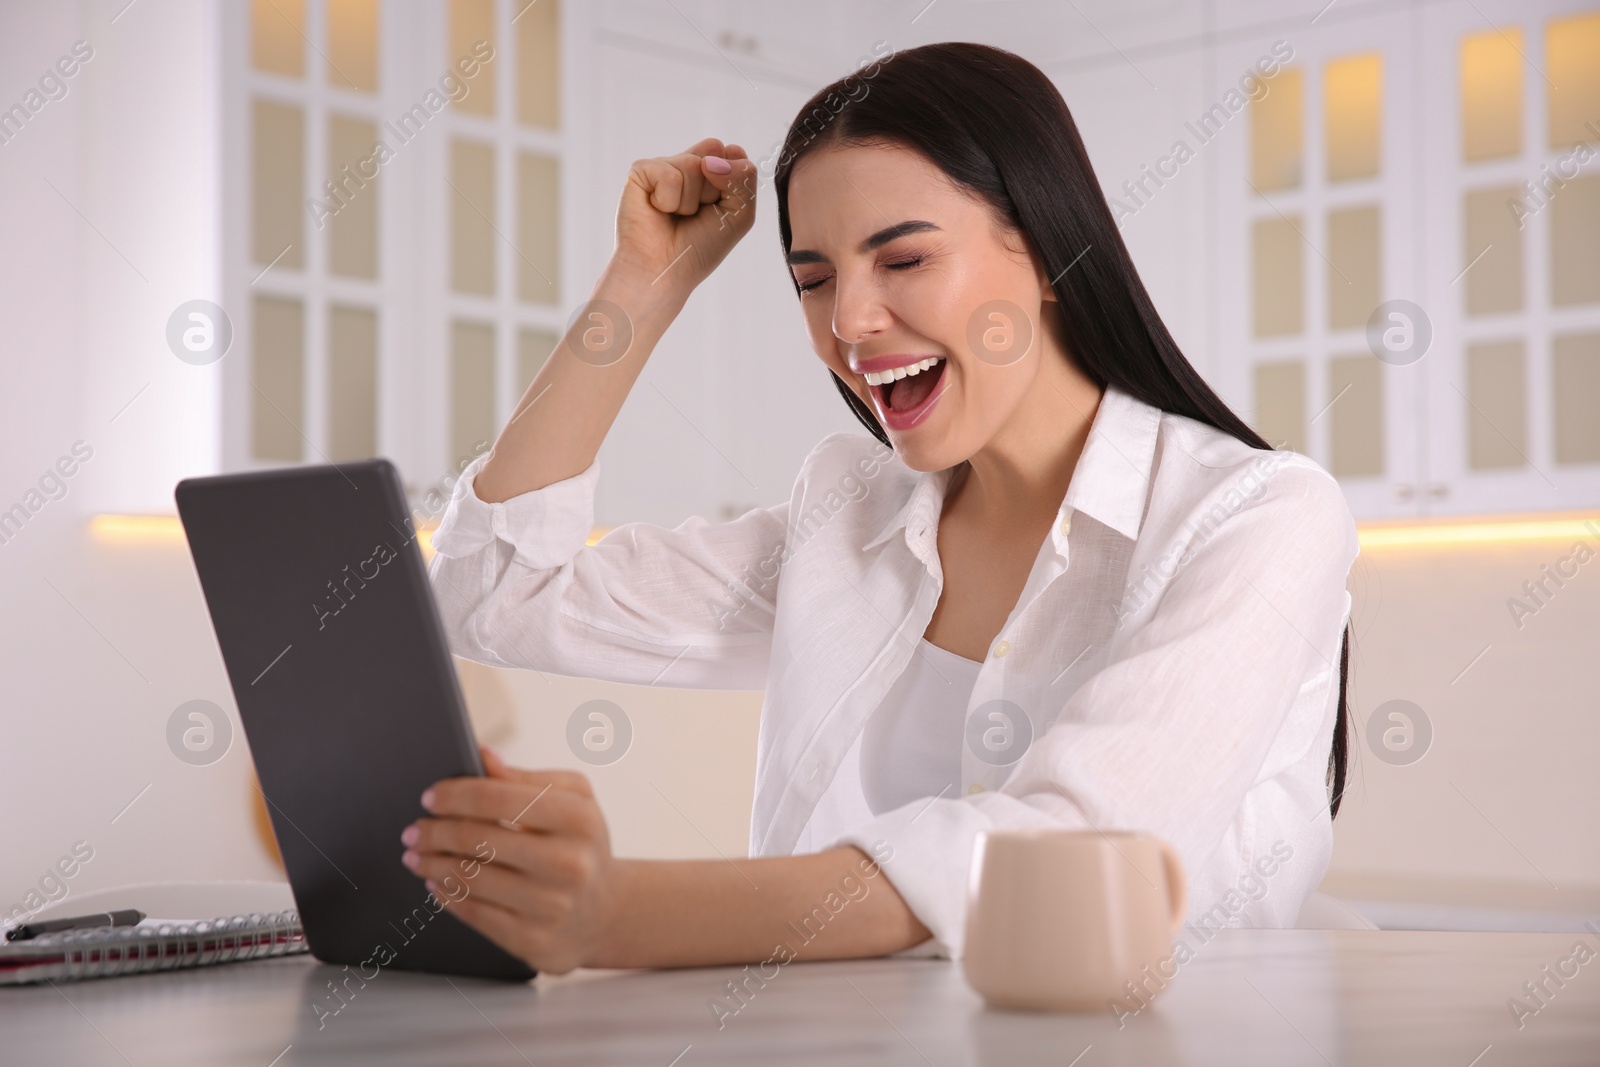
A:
(102, 952)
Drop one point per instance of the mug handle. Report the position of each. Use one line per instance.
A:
(1177, 886)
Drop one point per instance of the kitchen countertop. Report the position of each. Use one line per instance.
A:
(1246, 997)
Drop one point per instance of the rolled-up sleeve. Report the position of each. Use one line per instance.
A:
(1175, 731)
(692, 606)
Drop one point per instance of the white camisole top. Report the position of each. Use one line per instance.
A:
(910, 748)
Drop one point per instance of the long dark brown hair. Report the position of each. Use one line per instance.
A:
(997, 126)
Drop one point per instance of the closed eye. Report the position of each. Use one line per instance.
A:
(905, 263)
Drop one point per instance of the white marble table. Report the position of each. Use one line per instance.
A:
(1248, 997)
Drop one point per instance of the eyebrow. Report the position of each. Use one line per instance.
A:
(877, 240)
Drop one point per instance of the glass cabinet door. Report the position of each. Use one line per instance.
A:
(1512, 162)
(1415, 223)
(1316, 215)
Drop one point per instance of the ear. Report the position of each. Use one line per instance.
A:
(1047, 293)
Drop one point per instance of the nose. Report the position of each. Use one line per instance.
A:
(858, 308)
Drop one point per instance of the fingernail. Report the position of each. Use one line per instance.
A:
(409, 835)
(411, 859)
(427, 799)
(718, 165)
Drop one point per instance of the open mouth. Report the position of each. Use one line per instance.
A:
(906, 389)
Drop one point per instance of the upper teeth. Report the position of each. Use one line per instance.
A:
(880, 377)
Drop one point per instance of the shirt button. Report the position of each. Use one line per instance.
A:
(974, 788)
(1066, 525)
(1001, 648)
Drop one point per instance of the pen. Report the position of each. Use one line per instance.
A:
(128, 917)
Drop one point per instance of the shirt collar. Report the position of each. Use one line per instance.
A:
(1110, 484)
(920, 513)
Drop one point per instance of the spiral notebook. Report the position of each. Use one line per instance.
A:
(153, 945)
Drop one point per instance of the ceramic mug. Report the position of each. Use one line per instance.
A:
(1058, 920)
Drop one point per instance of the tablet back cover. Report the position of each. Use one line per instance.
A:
(348, 696)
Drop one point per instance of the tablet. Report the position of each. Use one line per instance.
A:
(348, 697)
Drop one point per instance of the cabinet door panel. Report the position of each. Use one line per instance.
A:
(1314, 251)
(1508, 393)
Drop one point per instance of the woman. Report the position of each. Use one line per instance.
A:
(1065, 586)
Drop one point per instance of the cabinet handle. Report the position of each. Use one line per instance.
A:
(1403, 492)
(1438, 490)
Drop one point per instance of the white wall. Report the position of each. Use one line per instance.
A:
(40, 270)
(150, 137)
(1506, 795)
(109, 224)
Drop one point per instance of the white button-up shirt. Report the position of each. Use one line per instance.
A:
(1171, 665)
